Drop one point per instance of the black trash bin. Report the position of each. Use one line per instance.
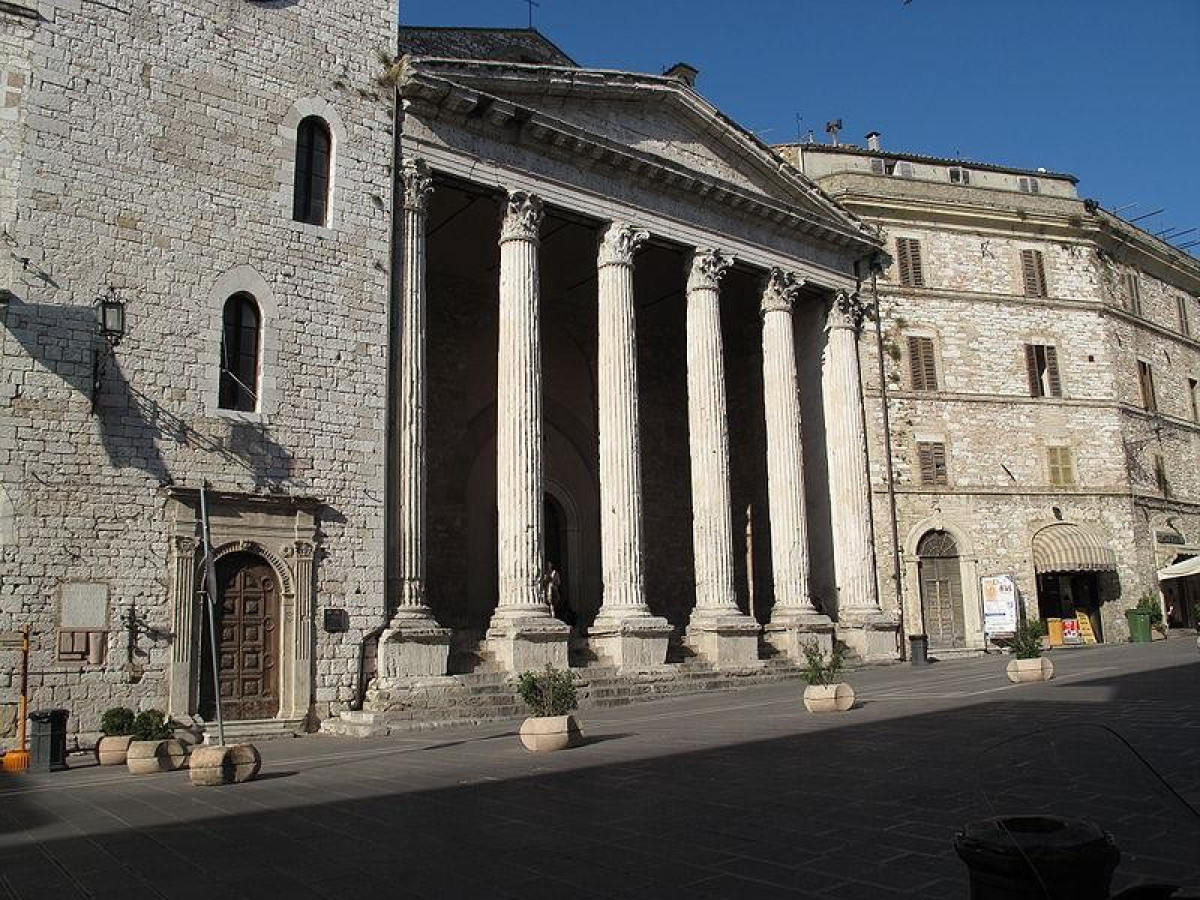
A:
(918, 649)
(1037, 858)
(48, 740)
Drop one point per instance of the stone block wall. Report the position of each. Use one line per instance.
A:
(156, 161)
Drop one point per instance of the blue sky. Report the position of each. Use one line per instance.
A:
(1108, 90)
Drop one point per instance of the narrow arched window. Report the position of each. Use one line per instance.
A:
(240, 340)
(314, 154)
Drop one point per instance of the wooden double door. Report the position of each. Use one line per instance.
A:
(941, 591)
(247, 627)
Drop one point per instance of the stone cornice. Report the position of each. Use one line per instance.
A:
(433, 96)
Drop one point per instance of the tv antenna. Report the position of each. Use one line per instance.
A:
(531, 4)
(799, 134)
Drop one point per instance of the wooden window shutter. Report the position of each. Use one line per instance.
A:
(922, 364)
(931, 460)
(1146, 382)
(908, 257)
(1062, 471)
(1052, 378)
(1031, 368)
(1033, 273)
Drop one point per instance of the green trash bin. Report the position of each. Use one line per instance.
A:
(1139, 626)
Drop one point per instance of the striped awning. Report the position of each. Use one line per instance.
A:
(1068, 548)
(1180, 569)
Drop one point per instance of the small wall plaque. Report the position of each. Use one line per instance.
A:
(84, 606)
(337, 621)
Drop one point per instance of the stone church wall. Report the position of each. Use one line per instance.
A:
(156, 162)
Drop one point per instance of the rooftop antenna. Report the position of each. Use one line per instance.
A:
(1126, 206)
(1145, 215)
(832, 129)
(531, 4)
(799, 119)
(1176, 237)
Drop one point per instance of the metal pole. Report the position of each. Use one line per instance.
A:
(210, 596)
(24, 710)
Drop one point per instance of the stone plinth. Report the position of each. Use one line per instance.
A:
(726, 642)
(638, 642)
(873, 639)
(790, 639)
(524, 645)
(413, 647)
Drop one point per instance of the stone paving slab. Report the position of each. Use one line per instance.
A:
(740, 794)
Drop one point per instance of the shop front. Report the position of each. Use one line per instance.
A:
(1076, 575)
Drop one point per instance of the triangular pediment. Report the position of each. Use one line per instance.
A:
(658, 118)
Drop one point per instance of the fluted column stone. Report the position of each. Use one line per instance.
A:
(794, 618)
(718, 628)
(624, 630)
(523, 633)
(861, 622)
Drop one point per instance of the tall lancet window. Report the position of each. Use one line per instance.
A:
(314, 159)
(241, 338)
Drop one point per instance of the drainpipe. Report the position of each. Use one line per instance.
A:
(897, 579)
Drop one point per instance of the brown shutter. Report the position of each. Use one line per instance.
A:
(914, 253)
(904, 269)
(914, 362)
(929, 364)
(1052, 371)
(1031, 367)
(931, 459)
(908, 257)
(922, 364)
(1033, 273)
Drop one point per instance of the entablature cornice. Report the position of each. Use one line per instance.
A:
(432, 97)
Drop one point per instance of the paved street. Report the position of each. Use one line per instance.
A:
(740, 794)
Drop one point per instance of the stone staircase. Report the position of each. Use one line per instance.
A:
(485, 694)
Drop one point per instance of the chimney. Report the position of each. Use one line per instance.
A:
(832, 129)
(681, 71)
(873, 141)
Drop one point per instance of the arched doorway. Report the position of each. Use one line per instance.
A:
(558, 558)
(940, 574)
(247, 629)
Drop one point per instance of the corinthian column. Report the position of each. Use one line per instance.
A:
(859, 613)
(413, 643)
(624, 630)
(522, 633)
(718, 628)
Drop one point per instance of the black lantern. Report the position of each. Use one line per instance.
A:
(110, 313)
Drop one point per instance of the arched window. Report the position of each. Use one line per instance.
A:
(314, 153)
(240, 340)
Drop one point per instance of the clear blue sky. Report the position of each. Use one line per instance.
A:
(1108, 90)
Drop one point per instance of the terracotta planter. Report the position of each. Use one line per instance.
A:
(820, 698)
(111, 749)
(149, 757)
(545, 734)
(1039, 669)
(216, 764)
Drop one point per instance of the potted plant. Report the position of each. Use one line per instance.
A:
(550, 696)
(153, 748)
(1026, 645)
(117, 725)
(824, 692)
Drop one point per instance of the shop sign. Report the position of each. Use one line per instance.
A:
(1071, 632)
(999, 604)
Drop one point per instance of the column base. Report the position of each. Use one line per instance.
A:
(790, 638)
(529, 644)
(637, 642)
(872, 636)
(413, 645)
(727, 641)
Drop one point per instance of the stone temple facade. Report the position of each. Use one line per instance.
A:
(481, 360)
(1040, 362)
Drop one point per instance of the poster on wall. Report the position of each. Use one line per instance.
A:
(999, 604)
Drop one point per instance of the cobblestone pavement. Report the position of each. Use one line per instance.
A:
(739, 794)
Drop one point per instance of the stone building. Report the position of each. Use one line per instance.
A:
(1040, 367)
(537, 403)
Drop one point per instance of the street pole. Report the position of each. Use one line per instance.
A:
(210, 596)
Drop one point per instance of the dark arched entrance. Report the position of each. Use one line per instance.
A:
(558, 558)
(941, 591)
(247, 629)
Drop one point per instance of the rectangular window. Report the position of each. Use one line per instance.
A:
(1146, 384)
(1029, 185)
(921, 364)
(908, 261)
(931, 459)
(1160, 475)
(897, 168)
(960, 176)
(1062, 469)
(1041, 364)
(1181, 311)
(1194, 396)
(1133, 293)
(1033, 273)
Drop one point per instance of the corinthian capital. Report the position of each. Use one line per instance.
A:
(849, 310)
(522, 217)
(707, 268)
(621, 240)
(417, 182)
(781, 291)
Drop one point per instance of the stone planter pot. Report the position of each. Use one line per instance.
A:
(1039, 669)
(150, 757)
(230, 764)
(545, 734)
(112, 749)
(820, 698)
